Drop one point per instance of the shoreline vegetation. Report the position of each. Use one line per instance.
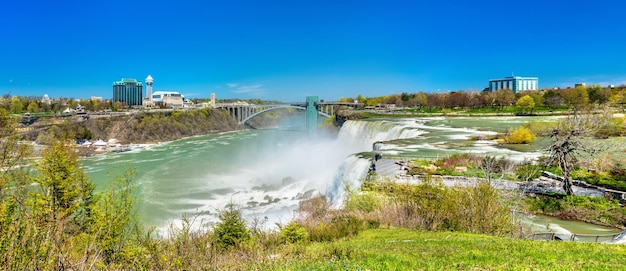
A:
(62, 223)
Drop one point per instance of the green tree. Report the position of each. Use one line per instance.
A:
(552, 99)
(119, 105)
(598, 94)
(114, 217)
(577, 97)
(65, 192)
(231, 229)
(361, 99)
(421, 99)
(16, 105)
(525, 104)
(538, 99)
(32, 107)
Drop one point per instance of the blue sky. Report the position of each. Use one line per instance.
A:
(286, 50)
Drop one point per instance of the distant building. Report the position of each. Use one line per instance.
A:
(514, 83)
(128, 91)
(148, 101)
(46, 99)
(580, 85)
(168, 98)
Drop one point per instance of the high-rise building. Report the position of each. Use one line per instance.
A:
(129, 91)
(514, 83)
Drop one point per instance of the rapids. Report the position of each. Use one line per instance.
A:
(267, 172)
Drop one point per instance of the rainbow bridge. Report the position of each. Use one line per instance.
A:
(312, 107)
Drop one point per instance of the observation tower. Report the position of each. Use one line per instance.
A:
(149, 81)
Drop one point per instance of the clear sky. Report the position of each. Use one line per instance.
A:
(286, 50)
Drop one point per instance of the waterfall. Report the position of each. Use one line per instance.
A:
(359, 137)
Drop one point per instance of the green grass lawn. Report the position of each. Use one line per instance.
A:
(402, 249)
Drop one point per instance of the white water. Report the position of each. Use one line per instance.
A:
(267, 173)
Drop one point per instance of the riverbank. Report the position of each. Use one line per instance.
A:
(543, 195)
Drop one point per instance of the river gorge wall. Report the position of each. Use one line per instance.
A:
(136, 127)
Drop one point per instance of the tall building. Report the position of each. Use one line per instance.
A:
(129, 91)
(149, 81)
(514, 83)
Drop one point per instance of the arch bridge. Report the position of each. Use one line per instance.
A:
(312, 107)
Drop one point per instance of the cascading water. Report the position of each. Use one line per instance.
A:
(361, 137)
(268, 172)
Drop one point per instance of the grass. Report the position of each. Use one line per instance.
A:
(402, 249)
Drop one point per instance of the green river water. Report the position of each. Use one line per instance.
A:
(267, 172)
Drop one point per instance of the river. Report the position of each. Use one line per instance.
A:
(267, 172)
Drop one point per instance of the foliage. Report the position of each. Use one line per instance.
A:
(543, 128)
(463, 164)
(338, 227)
(434, 207)
(51, 218)
(114, 217)
(293, 233)
(364, 202)
(143, 127)
(526, 104)
(521, 135)
(325, 224)
(612, 179)
(528, 171)
(231, 230)
(593, 209)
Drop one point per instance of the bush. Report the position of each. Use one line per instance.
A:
(528, 172)
(339, 227)
(521, 135)
(541, 128)
(231, 230)
(293, 233)
(545, 204)
(434, 207)
(365, 202)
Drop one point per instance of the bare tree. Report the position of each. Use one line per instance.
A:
(567, 143)
(495, 168)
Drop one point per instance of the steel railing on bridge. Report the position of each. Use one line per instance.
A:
(243, 111)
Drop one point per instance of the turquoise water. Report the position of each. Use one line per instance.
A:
(267, 172)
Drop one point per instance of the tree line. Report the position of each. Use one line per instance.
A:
(577, 97)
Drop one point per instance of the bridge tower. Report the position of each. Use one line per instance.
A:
(311, 115)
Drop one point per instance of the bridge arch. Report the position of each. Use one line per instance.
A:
(281, 107)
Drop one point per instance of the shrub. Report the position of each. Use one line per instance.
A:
(365, 202)
(293, 233)
(340, 226)
(545, 204)
(231, 230)
(528, 172)
(521, 135)
(541, 128)
(435, 207)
